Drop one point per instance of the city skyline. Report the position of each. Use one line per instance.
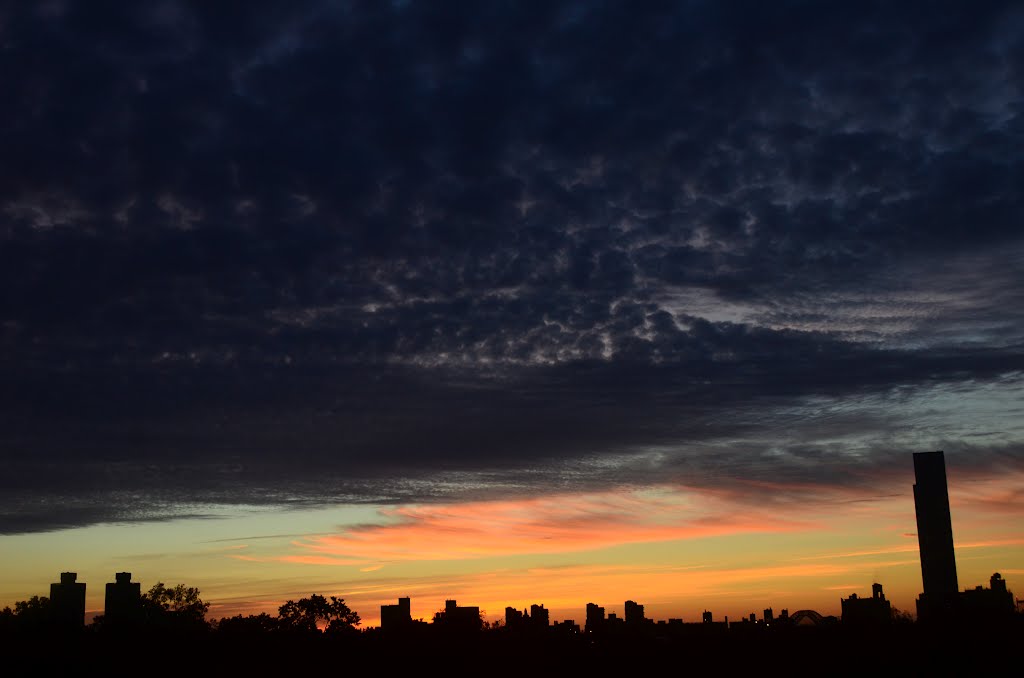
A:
(509, 303)
(936, 549)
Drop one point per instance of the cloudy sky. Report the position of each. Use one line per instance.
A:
(520, 302)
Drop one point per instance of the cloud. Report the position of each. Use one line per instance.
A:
(309, 253)
(554, 524)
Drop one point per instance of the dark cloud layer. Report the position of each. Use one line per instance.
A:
(257, 253)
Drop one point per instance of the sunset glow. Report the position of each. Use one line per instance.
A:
(511, 303)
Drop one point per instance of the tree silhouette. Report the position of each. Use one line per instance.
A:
(32, 613)
(35, 610)
(254, 624)
(27, 615)
(901, 616)
(441, 619)
(308, 614)
(178, 607)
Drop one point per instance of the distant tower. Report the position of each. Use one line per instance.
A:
(123, 602)
(595, 618)
(934, 525)
(67, 600)
(634, 613)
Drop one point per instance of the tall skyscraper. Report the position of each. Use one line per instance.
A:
(595, 618)
(934, 526)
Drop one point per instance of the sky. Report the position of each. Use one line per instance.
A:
(513, 303)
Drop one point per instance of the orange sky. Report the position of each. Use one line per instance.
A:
(676, 550)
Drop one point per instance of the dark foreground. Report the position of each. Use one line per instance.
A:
(973, 649)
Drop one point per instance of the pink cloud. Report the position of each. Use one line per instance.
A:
(558, 524)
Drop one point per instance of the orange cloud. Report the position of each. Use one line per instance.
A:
(732, 576)
(559, 524)
(1002, 495)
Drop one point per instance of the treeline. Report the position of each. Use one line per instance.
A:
(181, 608)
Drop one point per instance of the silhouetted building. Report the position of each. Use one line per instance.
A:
(768, 616)
(514, 618)
(634, 613)
(539, 616)
(873, 611)
(67, 600)
(595, 618)
(456, 617)
(934, 537)
(706, 617)
(810, 618)
(396, 616)
(566, 627)
(122, 603)
(980, 604)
